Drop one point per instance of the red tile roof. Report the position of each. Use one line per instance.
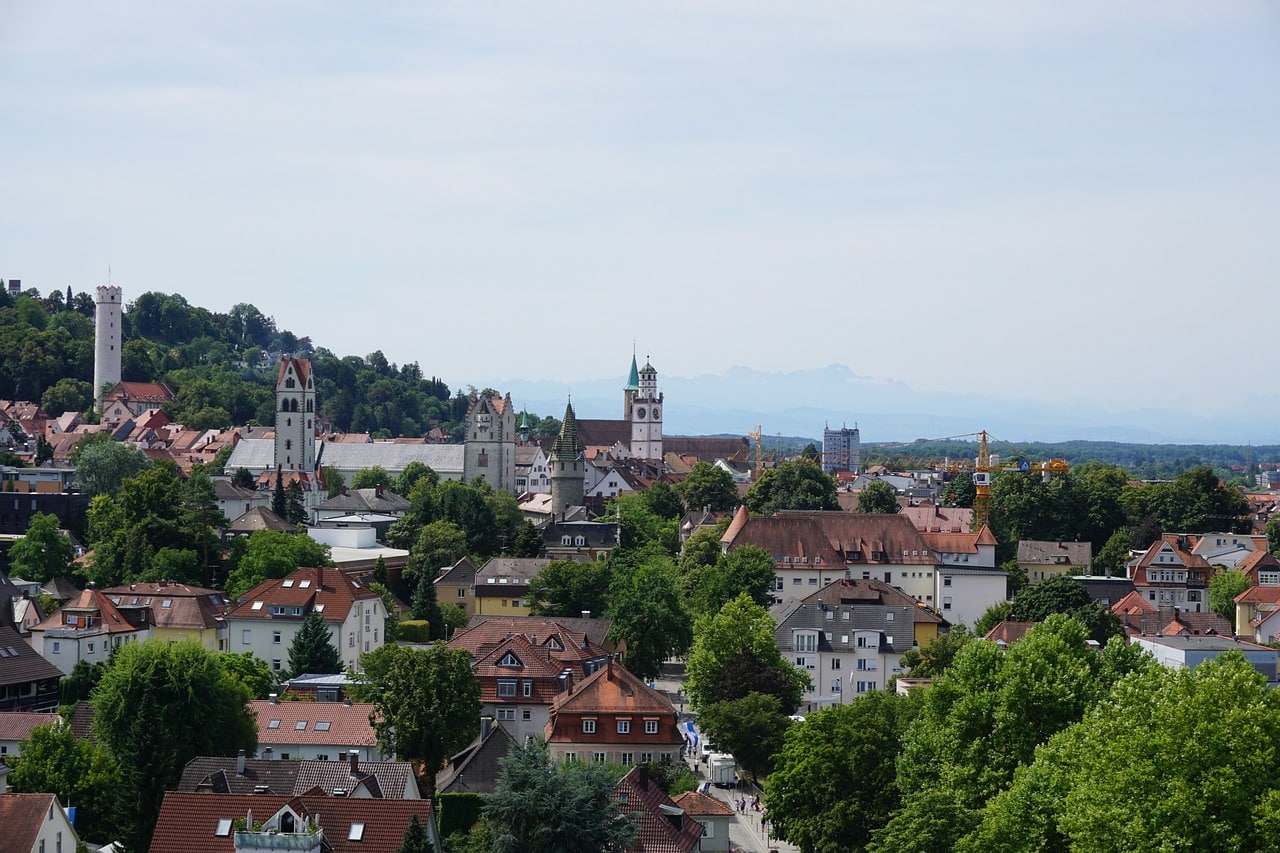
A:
(305, 588)
(348, 724)
(91, 609)
(535, 664)
(189, 822)
(662, 826)
(22, 816)
(833, 538)
(17, 725)
(697, 803)
(189, 607)
(613, 689)
(301, 367)
(564, 645)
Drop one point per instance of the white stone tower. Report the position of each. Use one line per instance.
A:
(646, 417)
(295, 416)
(106, 342)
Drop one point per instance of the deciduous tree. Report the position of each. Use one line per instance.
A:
(44, 552)
(81, 772)
(835, 778)
(741, 626)
(1223, 589)
(565, 588)
(649, 617)
(103, 464)
(427, 702)
(751, 728)
(158, 706)
(792, 485)
(270, 554)
(878, 498)
(708, 486)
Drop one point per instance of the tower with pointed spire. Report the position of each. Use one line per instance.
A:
(567, 465)
(645, 413)
(630, 390)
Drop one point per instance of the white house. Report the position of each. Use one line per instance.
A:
(267, 617)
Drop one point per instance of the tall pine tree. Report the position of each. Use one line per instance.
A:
(294, 505)
(415, 839)
(312, 651)
(279, 504)
(425, 605)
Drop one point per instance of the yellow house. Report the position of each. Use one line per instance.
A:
(502, 585)
(177, 611)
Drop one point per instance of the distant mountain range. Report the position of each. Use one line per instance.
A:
(802, 401)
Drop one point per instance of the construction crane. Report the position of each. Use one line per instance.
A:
(982, 471)
(757, 435)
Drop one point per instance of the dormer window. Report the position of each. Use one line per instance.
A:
(509, 659)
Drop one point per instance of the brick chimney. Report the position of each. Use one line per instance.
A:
(354, 757)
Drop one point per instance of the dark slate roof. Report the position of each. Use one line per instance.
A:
(366, 500)
(568, 445)
(475, 769)
(384, 779)
(895, 622)
(22, 664)
(596, 533)
(260, 518)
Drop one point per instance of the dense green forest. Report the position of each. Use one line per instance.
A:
(220, 366)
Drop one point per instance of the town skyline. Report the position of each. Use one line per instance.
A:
(1029, 203)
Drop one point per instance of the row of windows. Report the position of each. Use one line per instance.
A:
(624, 727)
(509, 713)
(621, 757)
(508, 688)
(844, 615)
(817, 561)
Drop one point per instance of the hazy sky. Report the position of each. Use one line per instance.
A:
(1066, 200)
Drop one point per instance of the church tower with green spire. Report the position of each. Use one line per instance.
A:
(630, 389)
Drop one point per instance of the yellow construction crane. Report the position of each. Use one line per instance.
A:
(759, 452)
(982, 471)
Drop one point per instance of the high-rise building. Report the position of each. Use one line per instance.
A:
(841, 450)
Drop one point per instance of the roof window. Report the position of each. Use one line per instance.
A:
(287, 583)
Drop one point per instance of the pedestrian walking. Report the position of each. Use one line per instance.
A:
(755, 802)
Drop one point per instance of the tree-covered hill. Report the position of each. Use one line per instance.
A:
(221, 366)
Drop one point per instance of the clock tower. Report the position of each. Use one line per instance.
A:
(645, 415)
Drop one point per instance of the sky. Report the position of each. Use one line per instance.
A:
(1058, 202)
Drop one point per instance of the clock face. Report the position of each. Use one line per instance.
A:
(640, 412)
(655, 413)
